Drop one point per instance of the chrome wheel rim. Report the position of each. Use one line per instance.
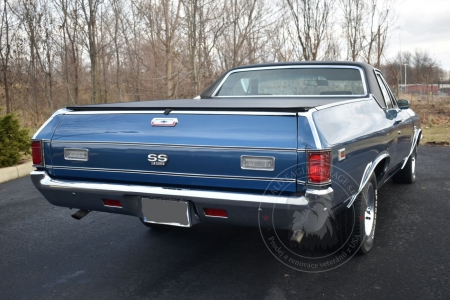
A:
(369, 213)
(413, 164)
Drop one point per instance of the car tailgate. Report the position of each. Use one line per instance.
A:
(202, 149)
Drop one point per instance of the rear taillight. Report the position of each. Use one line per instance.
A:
(215, 212)
(36, 153)
(319, 166)
(112, 202)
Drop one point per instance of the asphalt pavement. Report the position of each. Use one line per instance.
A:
(45, 254)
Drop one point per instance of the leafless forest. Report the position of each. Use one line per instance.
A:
(55, 53)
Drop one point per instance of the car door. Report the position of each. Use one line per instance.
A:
(404, 128)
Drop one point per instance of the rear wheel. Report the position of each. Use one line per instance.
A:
(408, 173)
(357, 225)
(366, 214)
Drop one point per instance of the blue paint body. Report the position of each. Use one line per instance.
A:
(204, 152)
(119, 144)
(364, 130)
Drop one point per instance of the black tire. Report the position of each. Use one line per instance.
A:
(408, 173)
(365, 214)
(353, 221)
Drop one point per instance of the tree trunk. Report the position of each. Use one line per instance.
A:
(6, 86)
(90, 17)
(5, 57)
(168, 51)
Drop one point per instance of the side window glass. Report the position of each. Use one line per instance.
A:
(385, 92)
(245, 83)
(392, 95)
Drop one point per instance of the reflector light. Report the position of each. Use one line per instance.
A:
(215, 212)
(36, 153)
(262, 163)
(319, 167)
(341, 154)
(112, 202)
(76, 154)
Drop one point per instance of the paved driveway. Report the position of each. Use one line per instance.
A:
(45, 254)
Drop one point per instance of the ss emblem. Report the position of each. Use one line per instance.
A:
(158, 159)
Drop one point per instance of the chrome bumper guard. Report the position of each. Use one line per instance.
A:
(43, 181)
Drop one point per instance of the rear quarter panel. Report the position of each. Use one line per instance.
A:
(361, 128)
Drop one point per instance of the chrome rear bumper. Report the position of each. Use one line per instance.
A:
(243, 208)
(43, 181)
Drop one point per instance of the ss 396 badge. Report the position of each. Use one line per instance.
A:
(158, 159)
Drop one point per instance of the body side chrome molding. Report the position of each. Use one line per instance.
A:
(417, 133)
(171, 174)
(248, 113)
(342, 103)
(115, 112)
(184, 112)
(44, 182)
(314, 131)
(234, 148)
(61, 111)
(366, 175)
(289, 96)
(304, 114)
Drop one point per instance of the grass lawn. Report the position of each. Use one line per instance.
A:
(435, 117)
(436, 135)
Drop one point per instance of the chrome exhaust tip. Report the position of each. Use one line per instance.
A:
(80, 214)
(297, 236)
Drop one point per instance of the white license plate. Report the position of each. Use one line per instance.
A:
(164, 211)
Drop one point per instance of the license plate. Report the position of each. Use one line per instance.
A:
(163, 211)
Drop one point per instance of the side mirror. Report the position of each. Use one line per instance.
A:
(403, 104)
(391, 114)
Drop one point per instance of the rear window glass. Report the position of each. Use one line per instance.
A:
(293, 82)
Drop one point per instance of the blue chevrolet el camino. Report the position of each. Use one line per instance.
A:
(288, 146)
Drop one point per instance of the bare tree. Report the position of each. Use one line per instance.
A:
(244, 36)
(89, 10)
(132, 31)
(163, 20)
(59, 52)
(311, 22)
(45, 45)
(353, 26)
(425, 67)
(393, 71)
(69, 14)
(29, 15)
(380, 17)
(279, 41)
(6, 36)
(332, 50)
(202, 30)
(106, 18)
(118, 9)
